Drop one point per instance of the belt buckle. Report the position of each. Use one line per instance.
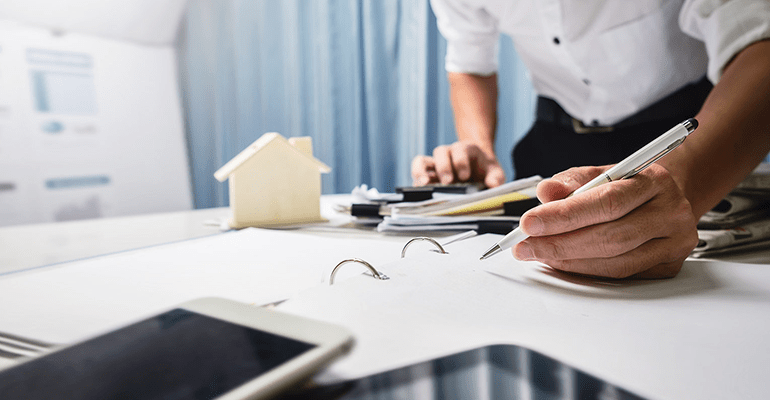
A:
(579, 127)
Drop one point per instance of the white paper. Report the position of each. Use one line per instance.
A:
(429, 207)
(67, 302)
(701, 335)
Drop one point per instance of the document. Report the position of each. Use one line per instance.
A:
(628, 333)
(67, 302)
(483, 202)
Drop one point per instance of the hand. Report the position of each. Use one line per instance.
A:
(459, 162)
(642, 227)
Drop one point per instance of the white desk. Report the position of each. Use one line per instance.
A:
(31, 246)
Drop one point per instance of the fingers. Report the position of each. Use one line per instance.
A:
(642, 227)
(495, 176)
(656, 219)
(605, 203)
(652, 260)
(459, 162)
(423, 171)
(562, 184)
(442, 156)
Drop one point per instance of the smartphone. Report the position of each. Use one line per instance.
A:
(204, 349)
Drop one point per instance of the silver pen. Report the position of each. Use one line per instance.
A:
(627, 168)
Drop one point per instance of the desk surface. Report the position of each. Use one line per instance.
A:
(30, 246)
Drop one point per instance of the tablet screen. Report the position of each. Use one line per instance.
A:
(493, 372)
(175, 355)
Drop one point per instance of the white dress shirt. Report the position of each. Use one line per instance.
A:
(603, 60)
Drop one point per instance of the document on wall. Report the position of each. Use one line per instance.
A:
(67, 302)
(89, 127)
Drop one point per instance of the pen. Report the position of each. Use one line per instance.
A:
(627, 168)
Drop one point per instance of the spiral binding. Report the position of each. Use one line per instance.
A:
(377, 274)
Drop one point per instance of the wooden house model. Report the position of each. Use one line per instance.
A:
(274, 182)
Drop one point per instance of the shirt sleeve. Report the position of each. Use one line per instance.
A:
(726, 27)
(471, 34)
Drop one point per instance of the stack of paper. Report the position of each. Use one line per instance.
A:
(483, 210)
(741, 221)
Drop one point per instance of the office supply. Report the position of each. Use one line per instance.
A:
(740, 221)
(274, 182)
(420, 193)
(15, 346)
(658, 339)
(732, 249)
(458, 237)
(444, 210)
(378, 275)
(491, 372)
(489, 206)
(482, 224)
(66, 302)
(714, 240)
(195, 350)
(627, 168)
(489, 200)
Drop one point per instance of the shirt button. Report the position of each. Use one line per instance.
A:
(556, 40)
(595, 122)
(586, 81)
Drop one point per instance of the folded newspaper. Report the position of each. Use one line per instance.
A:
(741, 221)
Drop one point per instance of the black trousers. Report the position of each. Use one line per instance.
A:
(552, 145)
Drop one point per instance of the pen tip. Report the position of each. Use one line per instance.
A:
(492, 251)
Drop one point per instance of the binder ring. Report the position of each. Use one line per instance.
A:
(376, 274)
(440, 249)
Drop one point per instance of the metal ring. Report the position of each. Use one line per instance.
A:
(375, 273)
(440, 249)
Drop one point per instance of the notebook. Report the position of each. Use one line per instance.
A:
(656, 338)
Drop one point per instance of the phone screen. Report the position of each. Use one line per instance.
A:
(175, 355)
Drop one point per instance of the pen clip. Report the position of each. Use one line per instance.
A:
(654, 158)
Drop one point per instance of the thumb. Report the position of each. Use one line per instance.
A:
(562, 184)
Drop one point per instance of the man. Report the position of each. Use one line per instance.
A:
(611, 76)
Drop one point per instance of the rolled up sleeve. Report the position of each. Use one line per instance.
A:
(472, 37)
(726, 27)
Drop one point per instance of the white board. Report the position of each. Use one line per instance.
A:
(89, 127)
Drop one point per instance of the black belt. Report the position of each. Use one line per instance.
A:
(684, 103)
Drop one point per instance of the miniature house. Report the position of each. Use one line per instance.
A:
(274, 182)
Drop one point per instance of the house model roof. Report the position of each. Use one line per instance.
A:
(259, 145)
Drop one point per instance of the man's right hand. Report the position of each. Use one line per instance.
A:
(458, 162)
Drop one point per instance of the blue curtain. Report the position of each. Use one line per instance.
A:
(365, 79)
